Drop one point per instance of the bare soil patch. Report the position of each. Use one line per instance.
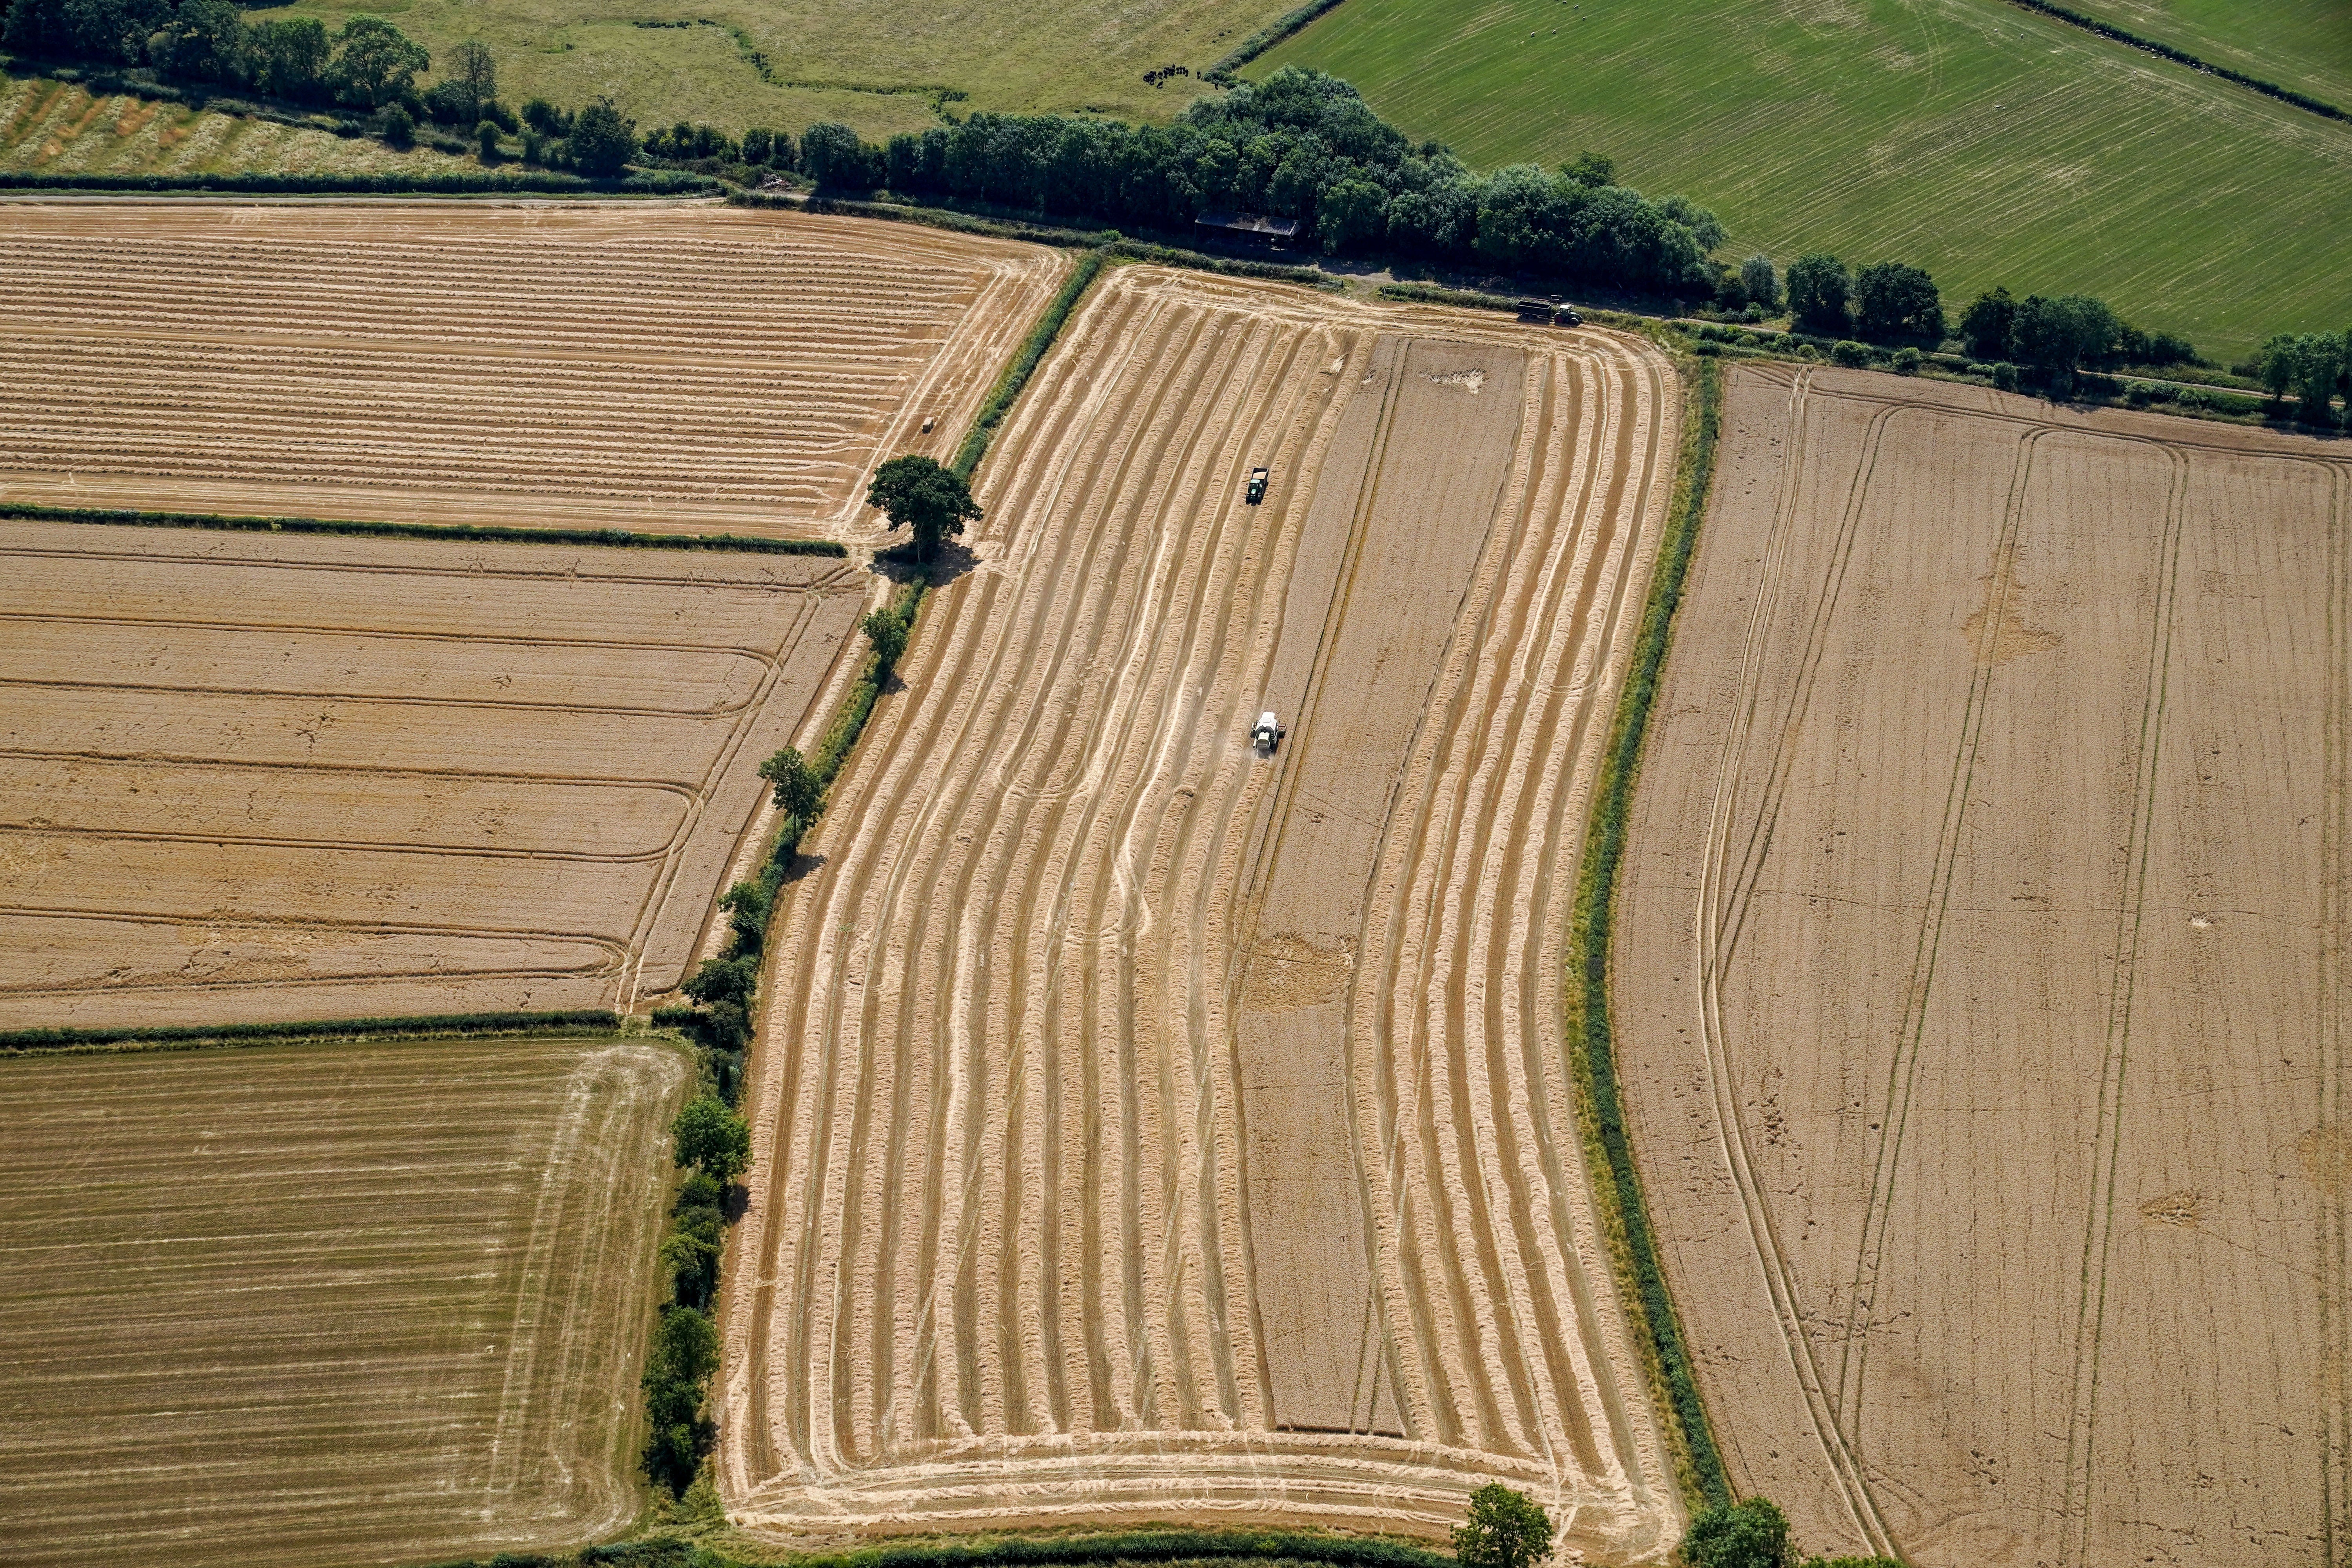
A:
(676, 368)
(1148, 1127)
(1980, 975)
(260, 777)
(292, 1305)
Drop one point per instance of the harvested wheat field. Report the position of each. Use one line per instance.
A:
(669, 368)
(1146, 1128)
(328, 1303)
(252, 777)
(1981, 980)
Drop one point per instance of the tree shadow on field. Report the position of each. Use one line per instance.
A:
(951, 560)
(800, 866)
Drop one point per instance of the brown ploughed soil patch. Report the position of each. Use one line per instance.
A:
(284, 1306)
(691, 369)
(1980, 980)
(1148, 1128)
(248, 777)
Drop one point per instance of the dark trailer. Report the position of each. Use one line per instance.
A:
(1247, 229)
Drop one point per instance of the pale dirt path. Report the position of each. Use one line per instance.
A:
(666, 368)
(1978, 1053)
(1001, 1261)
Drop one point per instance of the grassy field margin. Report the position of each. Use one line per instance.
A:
(618, 538)
(28, 1042)
(1601, 1112)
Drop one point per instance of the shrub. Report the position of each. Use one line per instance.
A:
(486, 141)
(1506, 1529)
(1906, 360)
(396, 127)
(1751, 1534)
(712, 1138)
(602, 142)
(2004, 375)
(1852, 354)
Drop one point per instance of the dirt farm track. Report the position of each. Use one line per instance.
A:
(666, 368)
(253, 777)
(1147, 1128)
(1980, 976)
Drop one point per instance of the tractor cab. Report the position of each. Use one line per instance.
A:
(1266, 734)
(1257, 491)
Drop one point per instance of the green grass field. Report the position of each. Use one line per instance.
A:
(1980, 141)
(2305, 45)
(56, 128)
(823, 57)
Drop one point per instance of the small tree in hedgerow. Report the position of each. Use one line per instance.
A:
(798, 790)
(1506, 1529)
(1751, 1533)
(712, 1137)
(916, 492)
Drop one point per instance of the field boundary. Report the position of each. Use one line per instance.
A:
(2303, 101)
(665, 183)
(1164, 1543)
(1026, 360)
(1283, 26)
(1601, 1114)
(617, 537)
(35, 1042)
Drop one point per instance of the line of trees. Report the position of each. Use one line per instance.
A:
(2313, 368)
(366, 64)
(1300, 144)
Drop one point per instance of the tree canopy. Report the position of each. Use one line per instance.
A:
(1818, 286)
(1751, 1533)
(915, 492)
(797, 788)
(712, 1138)
(602, 142)
(1893, 300)
(1505, 1529)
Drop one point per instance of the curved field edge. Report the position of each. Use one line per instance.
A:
(1601, 1114)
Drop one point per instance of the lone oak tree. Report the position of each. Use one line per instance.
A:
(916, 492)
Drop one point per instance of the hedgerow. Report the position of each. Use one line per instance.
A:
(616, 537)
(664, 183)
(1600, 1107)
(1162, 1544)
(589, 1021)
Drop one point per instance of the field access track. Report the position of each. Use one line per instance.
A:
(1980, 976)
(275, 1307)
(1148, 1127)
(662, 368)
(253, 777)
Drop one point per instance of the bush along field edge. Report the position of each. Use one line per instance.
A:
(618, 538)
(25, 1041)
(1601, 1114)
(1160, 1543)
(712, 1140)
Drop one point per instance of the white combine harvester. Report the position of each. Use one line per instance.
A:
(1267, 734)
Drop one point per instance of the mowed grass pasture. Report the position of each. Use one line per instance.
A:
(2304, 45)
(877, 68)
(1974, 138)
(58, 127)
(326, 1303)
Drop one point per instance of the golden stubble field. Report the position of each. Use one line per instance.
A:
(1146, 1128)
(1980, 976)
(662, 367)
(352, 1303)
(252, 777)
